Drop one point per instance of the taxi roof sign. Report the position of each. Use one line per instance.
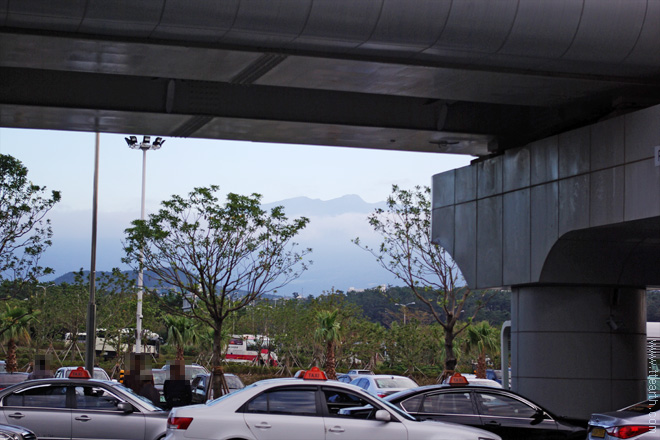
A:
(79, 373)
(457, 379)
(315, 373)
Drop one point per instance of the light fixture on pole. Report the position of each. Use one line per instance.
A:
(145, 146)
(404, 309)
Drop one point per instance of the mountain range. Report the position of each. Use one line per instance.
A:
(337, 262)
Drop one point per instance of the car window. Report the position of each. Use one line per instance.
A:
(448, 403)
(412, 405)
(336, 400)
(91, 397)
(292, 402)
(44, 396)
(503, 406)
(362, 383)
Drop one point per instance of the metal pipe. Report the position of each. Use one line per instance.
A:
(90, 340)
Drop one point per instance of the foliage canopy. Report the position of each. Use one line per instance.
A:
(25, 233)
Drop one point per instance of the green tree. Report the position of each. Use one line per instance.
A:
(220, 257)
(181, 332)
(482, 338)
(25, 233)
(328, 333)
(15, 328)
(408, 252)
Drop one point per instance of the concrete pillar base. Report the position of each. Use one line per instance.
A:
(579, 350)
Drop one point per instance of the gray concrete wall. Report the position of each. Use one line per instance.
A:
(580, 207)
(579, 350)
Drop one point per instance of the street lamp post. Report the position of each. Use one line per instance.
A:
(404, 309)
(145, 146)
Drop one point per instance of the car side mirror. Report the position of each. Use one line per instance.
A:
(538, 416)
(125, 407)
(383, 416)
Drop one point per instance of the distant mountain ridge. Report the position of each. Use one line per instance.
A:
(338, 263)
(150, 281)
(342, 205)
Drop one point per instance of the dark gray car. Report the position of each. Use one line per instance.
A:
(57, 409)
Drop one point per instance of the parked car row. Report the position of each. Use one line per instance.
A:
(65, 408)
(305, 408)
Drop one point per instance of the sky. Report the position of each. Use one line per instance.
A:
(64, 161)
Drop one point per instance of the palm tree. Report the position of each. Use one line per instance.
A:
(482, 337)
(181, 331)
(15, 328)
(328, 333)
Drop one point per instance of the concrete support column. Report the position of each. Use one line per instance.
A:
(579, 350)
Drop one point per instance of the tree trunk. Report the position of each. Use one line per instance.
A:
(450, 359)
(481, 366)
(219, 384)
(11, 366)
(330, 362)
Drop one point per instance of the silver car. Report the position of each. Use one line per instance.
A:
(638, 422)
(81, 409)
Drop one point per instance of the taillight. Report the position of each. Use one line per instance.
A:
(381, 395)
(629, 431)
(179, 422)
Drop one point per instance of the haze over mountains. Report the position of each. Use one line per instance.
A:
(337, 263)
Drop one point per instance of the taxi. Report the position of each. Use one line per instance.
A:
(307, 409)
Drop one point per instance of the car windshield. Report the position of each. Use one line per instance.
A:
(159, 376)
(225, 396)
(395, 382)
(145, 402)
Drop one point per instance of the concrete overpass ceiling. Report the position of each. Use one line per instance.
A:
(445, 76)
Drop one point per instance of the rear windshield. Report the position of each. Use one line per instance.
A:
(645, 407)
(8, 378)
(395, 382)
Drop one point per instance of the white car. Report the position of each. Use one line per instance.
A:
(308, 409)
(99, 373)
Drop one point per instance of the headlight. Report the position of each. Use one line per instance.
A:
(9, 436)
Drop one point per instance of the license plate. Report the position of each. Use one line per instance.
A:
(598, 432)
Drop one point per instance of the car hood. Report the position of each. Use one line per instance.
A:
(13, 429)
(451, 430)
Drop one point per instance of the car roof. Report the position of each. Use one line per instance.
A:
(299, 381)
(380, 376)
(446, 387)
